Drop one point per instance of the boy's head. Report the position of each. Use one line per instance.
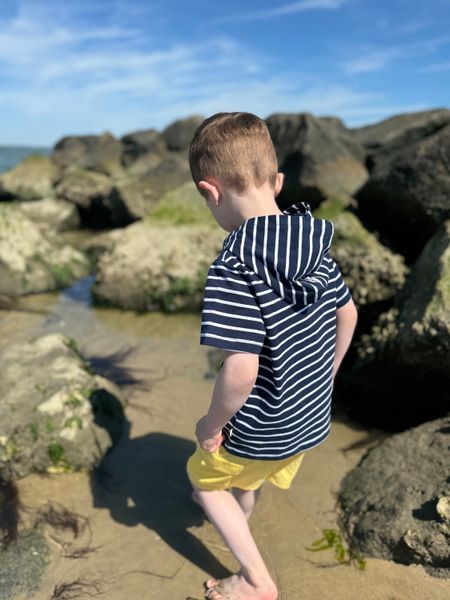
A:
(235, 149)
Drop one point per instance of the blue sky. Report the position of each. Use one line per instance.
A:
(83, 67)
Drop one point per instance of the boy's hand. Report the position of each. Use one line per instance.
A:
(209, 440)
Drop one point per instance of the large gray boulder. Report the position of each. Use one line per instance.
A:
(402, 373)
(31, 179)
(102, 153)
(399, 132)
(98, 202)
(424, 319)
(31, 261)
(56, 413)
(319, 157)
(154, 266)
(408, 194)
(178, 135)
(148, 179)
(140, 143)
(121, 199)
(396, 502)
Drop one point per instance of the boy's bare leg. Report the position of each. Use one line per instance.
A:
(253, 580)
(246, 499)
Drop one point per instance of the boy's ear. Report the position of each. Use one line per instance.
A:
(210, 189)
(278, 184)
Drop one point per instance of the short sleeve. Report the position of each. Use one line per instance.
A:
(231, 316)
(343, 294)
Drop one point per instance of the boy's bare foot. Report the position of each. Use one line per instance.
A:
(237, 587)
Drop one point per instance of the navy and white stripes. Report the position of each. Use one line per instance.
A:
(273, 290)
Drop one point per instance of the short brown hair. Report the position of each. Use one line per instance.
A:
(235, 147)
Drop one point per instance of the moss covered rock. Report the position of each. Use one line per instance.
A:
(372, 272)
(31, 261)
(31, 179)
(52, 213)
(56, 413)
(181, 206)
(401, 376)
(156, 266)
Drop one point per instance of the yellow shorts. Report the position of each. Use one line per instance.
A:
(220, 470)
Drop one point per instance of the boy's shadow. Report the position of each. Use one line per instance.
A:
(151, 470)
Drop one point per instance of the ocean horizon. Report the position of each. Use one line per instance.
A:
(10, 156)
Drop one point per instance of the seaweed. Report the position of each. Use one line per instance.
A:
(332, 538)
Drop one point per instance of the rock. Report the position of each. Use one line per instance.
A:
(390, 500)
(117, 201)
(146, 163)
(443, 509)
(180, 206)
(178, 135)
(53, 213)
(31, 261)
(407, 196)
(373, 273)
(31, 179)
(102, 153)
(424, 303)
(56, 414)
(319, 158)
(99, 203)
(141, 143)
(140, 191)
(156, 267)
(404, 361)
(399, 132)
(100, 243)
(170, 169)
(332, 207)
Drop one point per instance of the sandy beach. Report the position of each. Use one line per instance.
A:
(147, 538)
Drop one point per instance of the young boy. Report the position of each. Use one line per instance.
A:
(276, 303)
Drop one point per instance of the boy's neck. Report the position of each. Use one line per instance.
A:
(257, 203)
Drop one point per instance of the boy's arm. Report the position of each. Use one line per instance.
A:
(231, 389)
(346, 319)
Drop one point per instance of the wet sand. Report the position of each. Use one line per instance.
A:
(149, 539)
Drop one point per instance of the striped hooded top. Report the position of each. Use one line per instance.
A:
(273, 290)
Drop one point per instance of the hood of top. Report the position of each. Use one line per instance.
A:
(286, 251)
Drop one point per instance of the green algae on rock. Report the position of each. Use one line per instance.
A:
(404, 360)
(31, 261)
(32, 179)
(52, 213)
(181, 206)
(372, 271)
(154, 267)
(57, 415)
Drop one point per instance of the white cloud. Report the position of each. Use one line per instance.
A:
(372, 61)
(377, 59)
(284, 9)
